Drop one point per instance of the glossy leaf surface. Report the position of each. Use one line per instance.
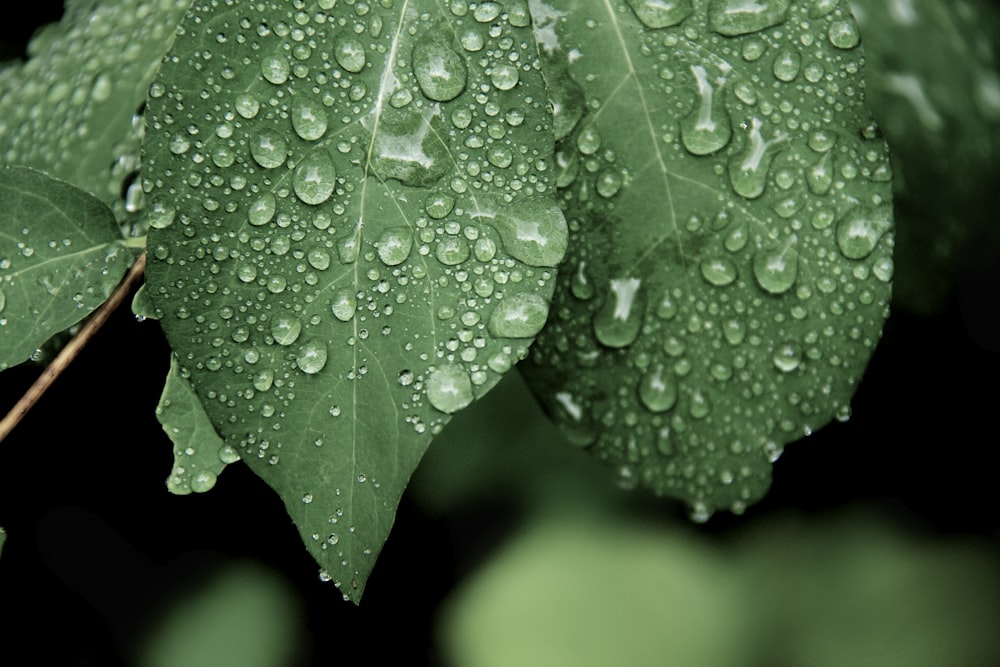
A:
(61, 256)
(358, 238)
(731, 236)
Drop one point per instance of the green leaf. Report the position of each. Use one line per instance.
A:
(362, 238)
(199, 453)
(728, 275)
(73, 109)
(933, 83)
(61, 256)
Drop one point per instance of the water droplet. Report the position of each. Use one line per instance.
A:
(734, 331)
(737, 237)
(820, 175)
(618, 322)
(657, 390)
(700, 405)
(311, 357)
(472, 40)
(580, 284)
(203, 481)
(161, 215)
(589, 140)
(860, 230)
(748, 174)
(344, 304)
(787, 64)
(661, 13)
(787, 357)
(263, 379)
(719, 272)
(269, 149)
(533, 231)
(486, 12)
(776, 269)
(439, 205)
(319, 259)
(844, 34)
(350, 54)
(315, 178)
(707, 128)
(247, 105)
(286, 330)
(262, 211)
(504, 77)
(275, 68)
(519, 315)
(3, 300)
(394, 245)
(608, 183)
(449, 388)
(228, 455)
(741, 17)
(309, 119)
(452, 250)
(441, 73)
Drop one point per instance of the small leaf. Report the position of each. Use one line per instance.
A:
(357, 192)
(61, 256)
(73, 109)
(199, 453)
(729, 270)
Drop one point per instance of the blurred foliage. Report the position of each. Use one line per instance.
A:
(599, 590)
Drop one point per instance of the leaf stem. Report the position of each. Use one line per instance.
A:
(73, 348)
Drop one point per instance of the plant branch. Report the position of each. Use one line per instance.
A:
(73, 348)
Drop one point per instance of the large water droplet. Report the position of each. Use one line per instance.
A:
(787, 64)
(707, 128)
(787, 357)
(275, 68)
(344, 304)
(394, 245)
(618, 322)
(315, 178)
(820, 175)
(286, 330)
(748, 174)
(860, 230)
(441, 73)
(262, 210)
(452, 250)
(504, 77)
(719, 272)
(449, 388)
(534, 231)
(741, 17)
(661, 13)
(269, 149)
(309, 119)
(776, 269)
(350, 54)
(844, 34)
(519, 315)
(657, 390)
(311, 357)
(161, 215)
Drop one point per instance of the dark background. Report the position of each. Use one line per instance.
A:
(96, 544)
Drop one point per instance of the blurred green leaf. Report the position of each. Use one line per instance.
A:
(61, 256)
(731, 243)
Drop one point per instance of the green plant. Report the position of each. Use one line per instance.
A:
(358, 217)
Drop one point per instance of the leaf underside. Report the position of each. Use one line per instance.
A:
(61, 256)
(356, 237)
(730, 257)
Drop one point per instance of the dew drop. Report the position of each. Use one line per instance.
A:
(269, 149)
(203, 481)
(742, 17)
(860, 230)
(286, 330)
(275, 68)
(608, 183)
(504, 77)
(394, 245)
(519, 315)
(534, 231)
(844, 34)
(719, 272)
(787, 357)
(700, 404)
(315, 178)
(776, 269)
(657, 390)
(748, 174)
(452, 251)
(787, 64)
(309, 119)
(161, 215)
(661, 13)
(263, 379)
(618, 322)
(449, 388)
(350, 54)
(819, 177)
(319, 259)
(441, 73)
(344, 304)
(311, 357)
(707, 128)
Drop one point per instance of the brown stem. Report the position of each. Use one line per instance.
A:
(73, 348)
